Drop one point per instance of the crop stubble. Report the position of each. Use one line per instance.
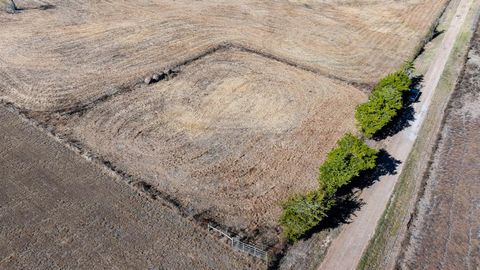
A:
(239, 128)
(80, 50)
(59, 211)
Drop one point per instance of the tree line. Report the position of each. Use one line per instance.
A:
(385, 101)
(351, 156)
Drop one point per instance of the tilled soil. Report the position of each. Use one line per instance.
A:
(446, 232)
(59, 211)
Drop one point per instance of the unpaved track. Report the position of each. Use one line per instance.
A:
(446, 232)
(59, 211)
(346, 250)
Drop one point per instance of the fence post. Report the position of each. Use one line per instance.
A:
(241, 246)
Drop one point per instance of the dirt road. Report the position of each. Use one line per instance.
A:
(346, 250)
(59, 211)
(445, 232)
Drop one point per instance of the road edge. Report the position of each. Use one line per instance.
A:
(385, 247)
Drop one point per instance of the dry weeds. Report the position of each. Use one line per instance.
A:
(264, 89)
(229, 137)
(445, 234)
(78, 51)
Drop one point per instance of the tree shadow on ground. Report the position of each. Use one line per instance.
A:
(342, 212)
(404, 117)
(417, 81)
(400, 122)
(386, 165)
(347, 199)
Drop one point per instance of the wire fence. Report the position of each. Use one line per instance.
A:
(241, 246)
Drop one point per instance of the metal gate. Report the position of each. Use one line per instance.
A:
(241, 246)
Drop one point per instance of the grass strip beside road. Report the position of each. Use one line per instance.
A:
(384, 247)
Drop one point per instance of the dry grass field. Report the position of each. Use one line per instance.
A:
(59, 211)
(446, 232)
(228, 137)
(256, 92)
(78, 51)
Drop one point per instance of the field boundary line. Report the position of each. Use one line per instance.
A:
(237, 244)
(176, 68)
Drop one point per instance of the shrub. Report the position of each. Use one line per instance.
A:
(303, 212)
(408, 67)
(398, 80)
(381, 108)
(385, 101)
(344, 162)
